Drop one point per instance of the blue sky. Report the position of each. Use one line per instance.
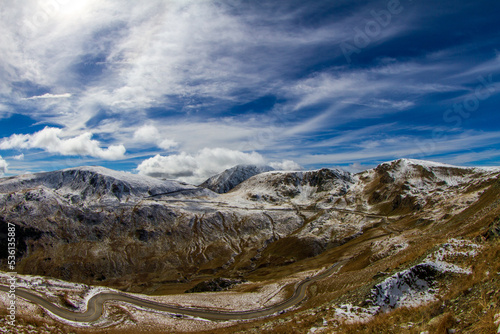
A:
(185, 89)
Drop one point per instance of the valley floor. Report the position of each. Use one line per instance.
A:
(464, 298)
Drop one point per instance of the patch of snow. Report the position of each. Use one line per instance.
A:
(496, 321)
(389, 246)
(415, 285)
(306, 192)
(492, 169)
(410, 287)
(355, 314)
(452, 250)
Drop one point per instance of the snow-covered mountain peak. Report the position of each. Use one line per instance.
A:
(135, 180)
(299, 187)
(230, 178)
(426, 163)
(409, 181)
(405, 162)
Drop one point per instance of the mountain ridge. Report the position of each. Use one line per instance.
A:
(96, 182)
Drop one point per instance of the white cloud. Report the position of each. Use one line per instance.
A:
(52, 141)
(147, 52)
(3, 109)
(285, 165)
(146, 134)
(167, 144)
(355, 167)
(325, 87)
(197, 168)
(3, 166)
(49, 96)
(358, 87)
(149, 134)
(199, 58)
(19, 157)
(176, 166)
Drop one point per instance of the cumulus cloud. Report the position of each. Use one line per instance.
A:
(146, 134)
(52, 140)
(149, 134)
(19, 157)
(285, 165)
(197, 168)
(3, 166)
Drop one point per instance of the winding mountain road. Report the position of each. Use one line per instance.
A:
(95, 305)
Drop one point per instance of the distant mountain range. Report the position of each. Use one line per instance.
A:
(94, 183)
(95, 225)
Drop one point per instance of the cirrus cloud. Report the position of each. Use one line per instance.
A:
(49, 96)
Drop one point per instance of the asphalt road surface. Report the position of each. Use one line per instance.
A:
(95, 306)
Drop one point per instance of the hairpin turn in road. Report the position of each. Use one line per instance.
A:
(95, 305)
